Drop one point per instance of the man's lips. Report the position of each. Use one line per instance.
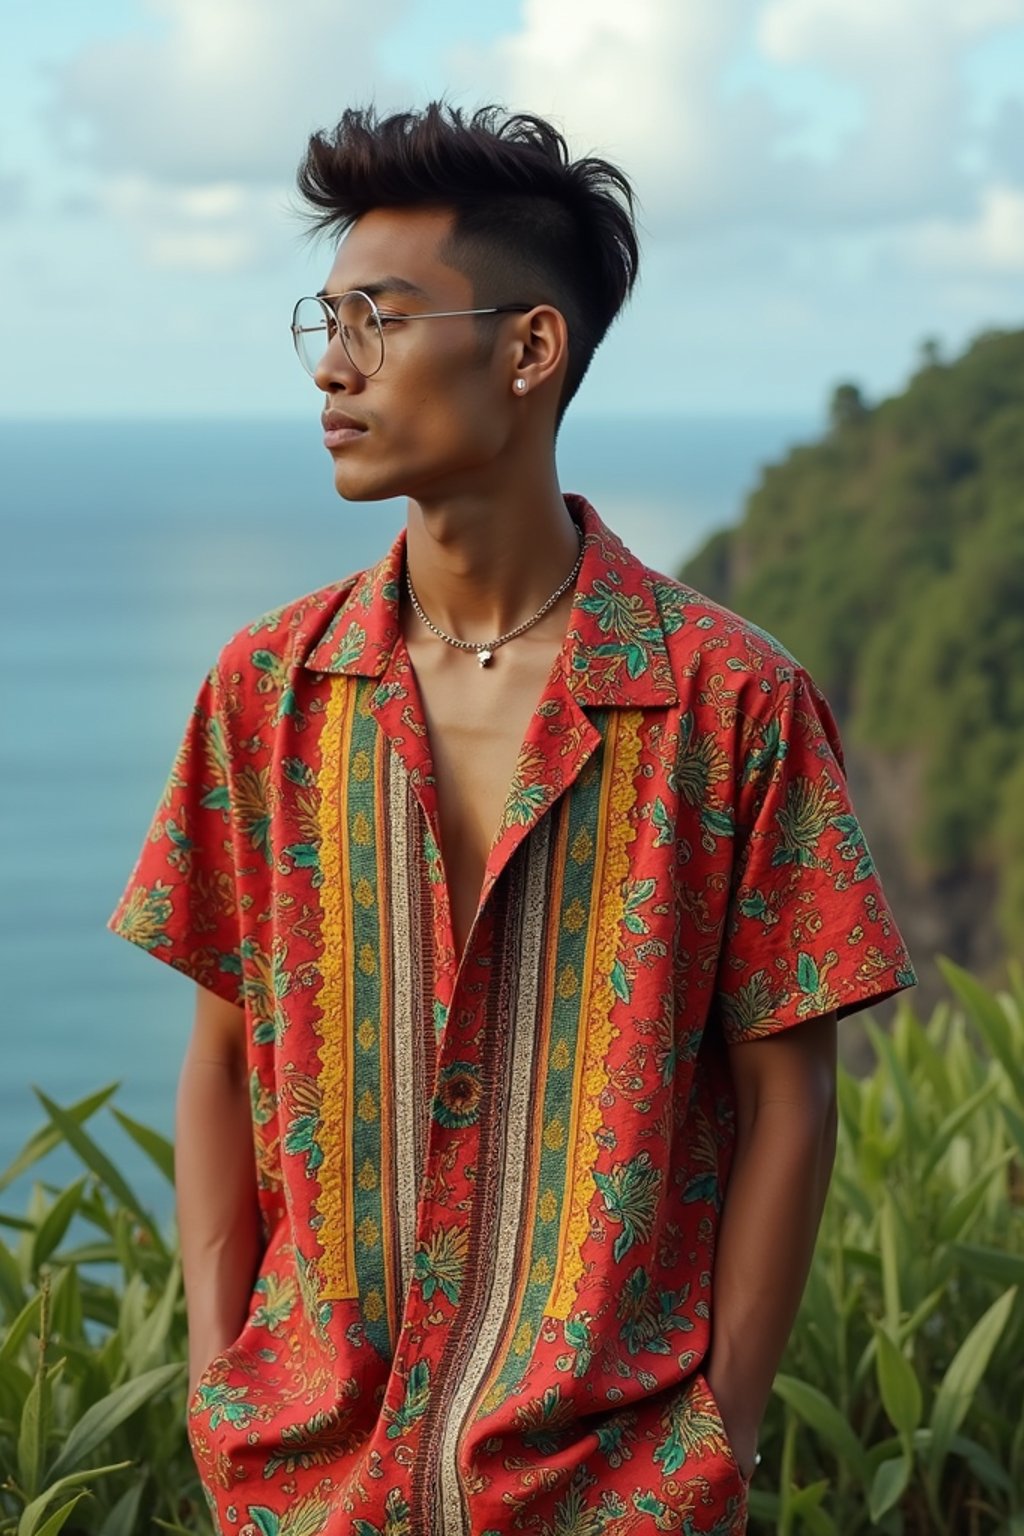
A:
(340, 428)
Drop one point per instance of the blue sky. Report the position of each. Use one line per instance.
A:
(824, 184)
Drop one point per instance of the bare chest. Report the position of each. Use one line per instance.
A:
(477, 719)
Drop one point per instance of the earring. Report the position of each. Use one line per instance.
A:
(520, 384)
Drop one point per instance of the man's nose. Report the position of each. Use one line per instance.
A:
(335, 370)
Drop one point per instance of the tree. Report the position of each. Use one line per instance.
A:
(847, 408)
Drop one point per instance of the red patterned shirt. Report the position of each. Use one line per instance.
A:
(490, 1189)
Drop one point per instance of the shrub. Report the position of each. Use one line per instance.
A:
(92, 1339)
(898, 1405)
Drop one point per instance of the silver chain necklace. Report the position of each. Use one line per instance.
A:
(485, 649)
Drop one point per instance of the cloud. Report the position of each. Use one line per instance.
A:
(218, 228)
(991, 242)
(193, 132)
(227, 92)
(720, 157)
(638, 82)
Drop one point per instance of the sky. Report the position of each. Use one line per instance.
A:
(824, 184)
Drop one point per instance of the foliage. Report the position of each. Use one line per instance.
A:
(897, 1408)
(92, 1336)
(889, 557)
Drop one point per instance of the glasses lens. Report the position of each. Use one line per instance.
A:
(361, 333)
(317, 321)
(310, 331)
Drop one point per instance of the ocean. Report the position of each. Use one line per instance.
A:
(130, 552)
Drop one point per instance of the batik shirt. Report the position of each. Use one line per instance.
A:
(490, 1185)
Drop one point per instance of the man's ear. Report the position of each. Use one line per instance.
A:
(543, 350)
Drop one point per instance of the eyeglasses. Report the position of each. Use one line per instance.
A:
(354, 317)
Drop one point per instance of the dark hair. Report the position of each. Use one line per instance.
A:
(530, 224)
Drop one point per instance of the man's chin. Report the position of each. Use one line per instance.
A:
(353, 486)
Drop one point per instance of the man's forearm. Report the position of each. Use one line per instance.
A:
(218, 1215)
(777, 1187)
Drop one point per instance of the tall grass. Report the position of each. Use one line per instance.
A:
(900, 1404)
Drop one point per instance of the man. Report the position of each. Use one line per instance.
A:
(522, 893)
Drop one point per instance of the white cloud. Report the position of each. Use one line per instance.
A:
(638, 82)
(228, 92)
(991, 242)
(870, 31)
(220, 228)
(193, 134)
(644, 82)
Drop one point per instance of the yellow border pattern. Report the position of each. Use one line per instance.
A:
(622, 743)
(336, 1263)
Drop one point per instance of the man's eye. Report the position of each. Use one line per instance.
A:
(391, 319)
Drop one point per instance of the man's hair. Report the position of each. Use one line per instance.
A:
(530, 224)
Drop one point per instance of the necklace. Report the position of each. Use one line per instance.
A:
(485, 649)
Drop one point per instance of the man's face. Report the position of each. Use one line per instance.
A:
(440, 411)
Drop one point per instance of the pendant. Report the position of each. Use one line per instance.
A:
(484, 657)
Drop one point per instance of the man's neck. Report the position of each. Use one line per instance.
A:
(483, 562)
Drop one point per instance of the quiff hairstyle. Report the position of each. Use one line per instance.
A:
(530, 225)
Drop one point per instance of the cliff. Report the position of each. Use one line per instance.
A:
(889, 556)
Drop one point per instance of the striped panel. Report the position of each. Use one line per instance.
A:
(404, 1133)
(507, 1166)
(336, 1263)
(570, 896)
(368, 834)
(623, 741)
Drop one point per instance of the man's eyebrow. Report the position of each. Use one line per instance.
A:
(399, 286)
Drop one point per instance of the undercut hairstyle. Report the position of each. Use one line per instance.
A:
(530, 224)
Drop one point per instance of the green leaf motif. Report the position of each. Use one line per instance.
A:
(285, 705)
(629, 1195)
(417, 1395)
(352, 645)
(662, 825)
(620, 981)
(807, 973)
(298, 772)
(719, 823)
(304, 855)
(265, 1521)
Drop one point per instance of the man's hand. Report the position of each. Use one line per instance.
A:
(741, 1428)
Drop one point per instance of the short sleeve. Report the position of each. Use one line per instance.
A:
(181, 902)
(808, 928)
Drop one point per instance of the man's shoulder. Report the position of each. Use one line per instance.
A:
(284, 635)
(700, 634)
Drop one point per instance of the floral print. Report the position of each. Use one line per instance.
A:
(490, 1189)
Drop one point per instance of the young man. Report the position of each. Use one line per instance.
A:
(523, 892)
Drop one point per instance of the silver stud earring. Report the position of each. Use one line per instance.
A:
(520, 384)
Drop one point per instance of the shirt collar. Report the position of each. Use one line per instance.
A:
(614, 652)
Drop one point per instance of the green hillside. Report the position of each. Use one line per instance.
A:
(889, 557)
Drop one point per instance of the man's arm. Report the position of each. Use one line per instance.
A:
(785, 1147)
(215, 1178)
